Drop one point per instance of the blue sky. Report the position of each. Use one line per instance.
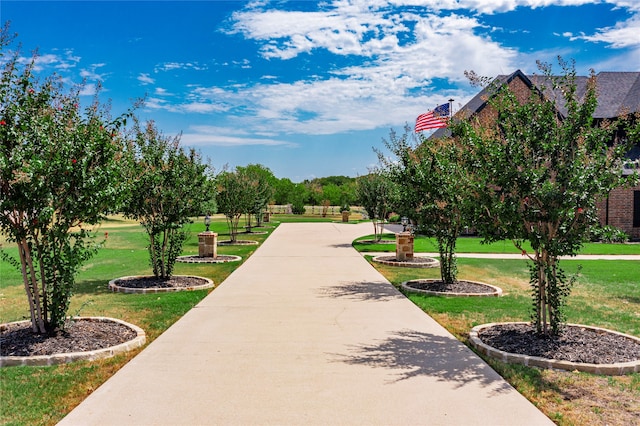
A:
(306, 88)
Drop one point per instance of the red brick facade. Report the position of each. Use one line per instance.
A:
(617, 210)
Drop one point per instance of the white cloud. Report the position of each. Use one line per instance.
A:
(500, 6)
(403, 53)
(91, 74)
(145, 79)
(170, 66)
(399, 53)
(226, 137)
(623, 34)
(201, 107)
(191, 106)
(88, 90)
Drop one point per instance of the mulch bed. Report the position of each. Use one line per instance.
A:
(18, 339)
(153, 282)
(576, 344)
(456, 287)
(415, 259)
(238, 243)
(221, 258)
(376, 242)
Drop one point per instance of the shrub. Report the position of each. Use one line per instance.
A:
(608, 234)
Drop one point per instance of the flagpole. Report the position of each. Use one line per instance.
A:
(450, 108)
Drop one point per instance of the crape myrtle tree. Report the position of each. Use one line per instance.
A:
(431, 177)
(235, 191)
(374, 192)
(538, 173)
(168, 186)
(261, 192)
(59, 174)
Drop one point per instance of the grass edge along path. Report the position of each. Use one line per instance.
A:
(44, 395)
(607, 294)
(424, 244)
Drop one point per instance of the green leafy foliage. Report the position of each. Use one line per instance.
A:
(239, 192)
(59, 174)
(374, 193)
(168, 185)
(261, 190)
(538, 170)
(432, 182)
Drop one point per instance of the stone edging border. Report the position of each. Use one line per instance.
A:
(497, 291)
(374, 242)
(197, 259)
(616, 369)
(238, 243)
(407, 264)
(65, 358)
(118, 289)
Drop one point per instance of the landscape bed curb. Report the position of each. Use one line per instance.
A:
(416, 262)
(198, 259)
(614, 369)
(238, 243)
(497, 291)
(68, 357)
(120, 289)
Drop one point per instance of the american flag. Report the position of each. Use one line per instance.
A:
(433, 119)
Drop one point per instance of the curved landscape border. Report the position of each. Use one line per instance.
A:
(68, 357)
(374, 242)
(238, 243)
(417, 262)
(615, 369)
(119, 289)
(219, 259)
(497, 291)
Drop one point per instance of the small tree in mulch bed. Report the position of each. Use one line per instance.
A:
(374, 193)
(432, 181)
(59, 173)
(168, 185)
(234, 198)
(261, 192)
(539, 169)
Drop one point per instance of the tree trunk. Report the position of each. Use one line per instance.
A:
(448, 266)
(31, 287)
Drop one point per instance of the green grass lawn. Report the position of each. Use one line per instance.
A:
(606, 294)
(43, 395)
(423, 244)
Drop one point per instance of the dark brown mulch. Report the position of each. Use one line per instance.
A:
(457, 287)
(153, 282)
(78, 336)
(414, 260)
(376, 241)
(576, 344)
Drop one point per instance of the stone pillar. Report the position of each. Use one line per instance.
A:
(404, 246)
(266, 217)
(208, 244)
(345, 216)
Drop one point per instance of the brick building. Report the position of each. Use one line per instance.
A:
(617, 92)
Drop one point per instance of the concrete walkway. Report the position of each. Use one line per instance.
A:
(306, 332)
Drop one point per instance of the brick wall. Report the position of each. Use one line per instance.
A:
(620, 211)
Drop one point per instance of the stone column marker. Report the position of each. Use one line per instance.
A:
(208, 244)
(404, 246)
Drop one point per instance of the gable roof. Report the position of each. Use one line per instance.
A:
(617, 92)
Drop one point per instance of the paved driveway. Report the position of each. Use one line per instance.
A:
(306, 332)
